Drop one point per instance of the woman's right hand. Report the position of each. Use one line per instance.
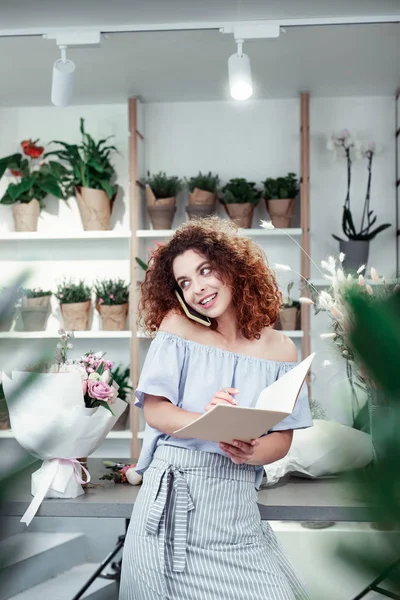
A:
(223, 397)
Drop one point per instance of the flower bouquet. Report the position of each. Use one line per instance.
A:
(60, 412)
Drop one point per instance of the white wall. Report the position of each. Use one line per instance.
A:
(262, 138)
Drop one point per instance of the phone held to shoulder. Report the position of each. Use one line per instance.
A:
(189, 311)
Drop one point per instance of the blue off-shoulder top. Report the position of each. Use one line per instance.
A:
(188, 374)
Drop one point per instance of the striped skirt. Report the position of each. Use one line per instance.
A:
(196, 534)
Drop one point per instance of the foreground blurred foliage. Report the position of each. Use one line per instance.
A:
(375, 338)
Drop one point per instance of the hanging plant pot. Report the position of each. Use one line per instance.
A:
(288, 318)
(241, 213)
(356, 254)
(35, 313)
(76, 315)
(280, 211)
(94, 207)
(26, 215)
(113, 318)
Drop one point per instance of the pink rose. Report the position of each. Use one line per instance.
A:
(99, 390)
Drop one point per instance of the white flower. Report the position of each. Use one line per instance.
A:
(305, 300)
(361, 280)
(369, 290)
(327, 336)
(325, 300)
(374, 275)
(267, 225)
(361, 269)
(326, 363)
(279, 267)
(94, 377)
(328, 267)
(70, 347)
(342, 256)
(349, 278)
(340, 275)
(332, 262)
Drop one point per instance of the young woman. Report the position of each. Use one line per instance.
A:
(195, 531)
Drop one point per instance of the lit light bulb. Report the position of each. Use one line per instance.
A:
(240, 82)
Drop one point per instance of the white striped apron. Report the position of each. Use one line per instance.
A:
(196, 534)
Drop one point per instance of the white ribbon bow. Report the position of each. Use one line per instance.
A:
(55, 474)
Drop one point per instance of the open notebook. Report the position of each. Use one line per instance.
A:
(225, 423)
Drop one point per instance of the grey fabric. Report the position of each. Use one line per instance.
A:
(196, 534)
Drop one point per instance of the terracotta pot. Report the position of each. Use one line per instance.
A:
(201, 197)
(241, 213)
(161, 216)
(26, 215)
(94, 207)
(113, 318)
(288, 318)
(281, 211)
(199, 211)
(76, 315)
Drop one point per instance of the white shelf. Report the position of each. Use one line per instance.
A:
(292, 334)
(6, 433)
(79, 335)
(125, 434)
(35, 236)
(259, 232)
(140, 435)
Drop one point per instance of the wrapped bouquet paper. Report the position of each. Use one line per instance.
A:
(60, 415)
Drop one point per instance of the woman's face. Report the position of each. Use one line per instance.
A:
(201, 286)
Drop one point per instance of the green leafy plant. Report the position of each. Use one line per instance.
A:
(141, 263)
(207, 182)
(288, 302)
(239, 190)
(163, 185)
(121, 376)
(88, 164)
(69, 292)
(33, 178)
(111, 292)
(35, 292)
(281, 188)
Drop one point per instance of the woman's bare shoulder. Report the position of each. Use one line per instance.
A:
(278, 346)
(176, 323)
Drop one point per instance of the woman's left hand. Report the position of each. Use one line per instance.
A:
(239, 452)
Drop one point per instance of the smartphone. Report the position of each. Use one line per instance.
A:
(189, 311)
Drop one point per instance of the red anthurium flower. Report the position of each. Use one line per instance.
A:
(31, 149)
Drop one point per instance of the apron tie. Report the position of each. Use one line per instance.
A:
(157, 514)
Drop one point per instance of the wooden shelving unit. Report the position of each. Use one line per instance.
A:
(136, 141)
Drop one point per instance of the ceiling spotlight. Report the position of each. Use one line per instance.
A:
(63, 79)
(239, 69)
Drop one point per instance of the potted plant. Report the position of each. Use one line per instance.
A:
(280, 197)
(239, 198)
(202, 194)
(90, 177)
(112, 303)
(161, 192)
(289, 311)
(356, 247)
(121, 376)
(75, 301)
(30, 181)
(35, 308)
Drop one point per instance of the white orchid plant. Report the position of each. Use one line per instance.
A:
(333, 301)
(345, 145)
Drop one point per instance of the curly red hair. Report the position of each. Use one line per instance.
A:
(238, 261)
